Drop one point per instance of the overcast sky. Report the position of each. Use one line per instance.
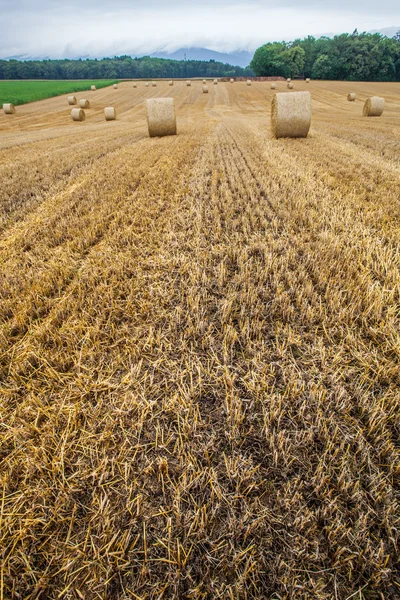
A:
(108, 27)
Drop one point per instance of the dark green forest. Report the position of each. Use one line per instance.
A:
(120, 67)
(355, 57)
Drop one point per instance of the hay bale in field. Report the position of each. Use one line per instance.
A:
(291, 114)
(146, 84)
(161, 117)
(351, 97)
(248, 82)
(71, 100)
(288, 79)
(290, 86)
(231, 80)
(135, 85)
(115, 86)
(374, 106)
(205, 89)
(83, 103)
(110, 113)
(171, 83)
(93, 88)
(215, 81)
(78, 114)
(273, 86)
(204, 82)
(153, 83)
(307, 80)
(188, 83)
(9, 109)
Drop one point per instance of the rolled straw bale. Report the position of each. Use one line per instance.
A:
(290, 86)
(71, 100)
(78, 114)
(93, 88)
(115, 86)
(9, 109)
(248, 82)
(147, 84)
(205, 89)
(110, 113)
(161, 117)
(291, 114)
(231, 80)
(153, 83)
(171, 83)
(374, 106)
(84, 103)
(273, 86)
(351, 97)
(288, 79)
(307, 80)
(204, 82)
(188, 83)
(215, 81)
(135, 85)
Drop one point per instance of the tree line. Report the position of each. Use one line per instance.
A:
(119, 67)
(352, 57)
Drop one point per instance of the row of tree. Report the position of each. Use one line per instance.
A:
(121, 67)
(356, 57)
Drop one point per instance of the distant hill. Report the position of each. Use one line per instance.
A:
(240, 58)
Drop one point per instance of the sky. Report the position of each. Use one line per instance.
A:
(97, 28)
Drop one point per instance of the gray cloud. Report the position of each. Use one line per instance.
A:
(98, 28)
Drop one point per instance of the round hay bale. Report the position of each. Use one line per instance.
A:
(273, 86)
(248, 82)
(83, 103)
(307, 80)
(153, 83)
(289, 79)
(171, 83)
(161, 117)
(351, 97)
(231, 80)
(188, 83)
(115, 86)
(146, 84)
(93, 88)
(135, 85)
(78, 114)
(71, 100)
(205, 89)
(374, 106)
(291, 114)
(204, 82)
(215, 81)
(9, 109)
(110, 113)
(290, 86)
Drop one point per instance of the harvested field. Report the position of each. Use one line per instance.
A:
(200, 340)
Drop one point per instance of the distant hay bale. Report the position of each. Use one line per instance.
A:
(9, 109)
(289, 79)
(161, 117)
(351, 97)
(291, 114)
(205, 89)
(273, 86)
(153, 83)
(84, 103)
(290, 86)
(231, 80)
(146, 84)
(215, 81)
(248, 82)
(374, 106)
(93, 88)
(78, 114)
(204, 82)
(110, 113)
(115, 86)
(307, 80)
(135, 85)
(71, 100)
(188, 83)
(171, 83)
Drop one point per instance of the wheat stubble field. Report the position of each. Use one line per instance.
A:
(200, 390)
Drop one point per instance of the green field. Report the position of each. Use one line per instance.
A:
(21, 92)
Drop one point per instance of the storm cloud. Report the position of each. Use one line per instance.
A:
(97, 28)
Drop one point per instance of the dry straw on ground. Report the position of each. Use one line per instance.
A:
(374, 106)
(205, 89)
(290, 86)
(351, 97)
(9, 109)
(110, 113)
(161, 117)
(78, 114)
(93, 88)
(291, 114)
(72, 100)
(84, 103)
